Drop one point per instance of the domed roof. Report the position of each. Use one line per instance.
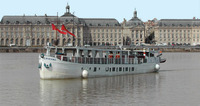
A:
(68, 13)
(135, 21)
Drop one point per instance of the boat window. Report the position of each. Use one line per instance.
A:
(120, 69)
(132, 68)
(151, 55)
(95, 69)
(107, 69)
(110, 69)
(99, 68)
(90, 68)
(113, 69)
(126, 68)
(81, 68)
(117, 69)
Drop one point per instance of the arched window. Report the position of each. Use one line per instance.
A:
(7, 22)
(52, 41)
(69, 40)
(43, 41)
(2, 41)
(38, 41)
(58, 41)
(47, 22)
(17, 22)
(33, 42)
(47, 40)
(11, 41)
(38, 22)
(16, 41)
(7, 41)
(28, 22)
(64, 42)
(21, 42)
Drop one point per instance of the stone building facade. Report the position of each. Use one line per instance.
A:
(178, 32)
(133, 31)
(37, 30)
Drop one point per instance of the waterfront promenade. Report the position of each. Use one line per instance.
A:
(162, 48)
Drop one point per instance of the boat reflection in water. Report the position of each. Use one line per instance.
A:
(99, 91)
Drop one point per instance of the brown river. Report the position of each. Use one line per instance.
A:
(177, 84)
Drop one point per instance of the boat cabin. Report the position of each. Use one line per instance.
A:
(100, 56)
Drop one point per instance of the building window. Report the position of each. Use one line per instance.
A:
(42, 41)
(102, 35)
(33, 42)
(48, 34)
(160, 35)
(2, 34)
(106, 35)
(7, 41)
(11, 41)
(116, 36)
(38, 35)
(38, 41)
(2, 41)
(120, 35)
(21, 41)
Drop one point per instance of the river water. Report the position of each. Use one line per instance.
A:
(177, 84)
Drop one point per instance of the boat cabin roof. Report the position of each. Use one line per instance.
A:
(94, 49)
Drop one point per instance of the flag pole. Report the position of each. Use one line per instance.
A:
(56, 25)
(73, 30)
(56, 41)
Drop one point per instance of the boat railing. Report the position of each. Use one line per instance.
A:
(91, 60)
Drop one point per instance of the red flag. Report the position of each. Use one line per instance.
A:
(63, 28)
(55, 28)
(61, 32)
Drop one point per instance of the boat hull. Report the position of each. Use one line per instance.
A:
(52, 68)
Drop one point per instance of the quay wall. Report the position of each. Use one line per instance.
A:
(162, 48)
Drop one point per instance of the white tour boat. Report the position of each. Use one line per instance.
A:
(84, 62)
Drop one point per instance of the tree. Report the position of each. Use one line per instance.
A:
(150, 38)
